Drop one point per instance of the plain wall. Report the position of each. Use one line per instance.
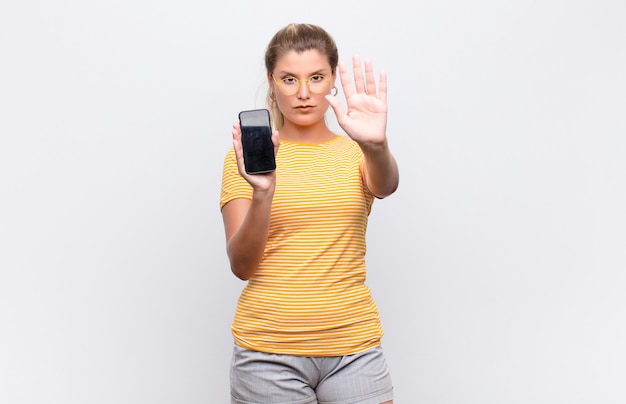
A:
(499, 266)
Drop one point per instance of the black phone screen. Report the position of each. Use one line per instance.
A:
(256, 140)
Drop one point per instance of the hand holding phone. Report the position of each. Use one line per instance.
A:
(256, 141)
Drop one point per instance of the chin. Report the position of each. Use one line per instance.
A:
(307, 117)
(307, 122)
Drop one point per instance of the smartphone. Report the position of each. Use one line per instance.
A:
(256, 140)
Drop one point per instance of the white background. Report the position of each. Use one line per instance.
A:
(499, 266)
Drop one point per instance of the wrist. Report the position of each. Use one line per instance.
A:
(375, 148)
(263, 193)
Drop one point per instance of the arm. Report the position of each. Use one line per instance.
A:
(246, 222)
(380, 170)
(365, 121)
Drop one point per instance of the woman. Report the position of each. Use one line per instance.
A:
(306, 328)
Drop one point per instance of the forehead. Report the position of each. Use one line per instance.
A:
(307, 62)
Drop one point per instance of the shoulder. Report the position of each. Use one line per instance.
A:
(343, 145)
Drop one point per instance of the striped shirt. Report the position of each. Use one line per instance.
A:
(308, 295)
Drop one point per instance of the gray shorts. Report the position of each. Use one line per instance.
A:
(262, 378)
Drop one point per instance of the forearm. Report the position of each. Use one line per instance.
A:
(246, 246)
(380, 170)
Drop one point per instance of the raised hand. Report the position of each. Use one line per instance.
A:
(365, 118)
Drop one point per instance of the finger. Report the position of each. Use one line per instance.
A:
(346, 86)
(276, 141)
(370, 82)
(359, 83)
(382, 87)
(336, 106)
(236, 132)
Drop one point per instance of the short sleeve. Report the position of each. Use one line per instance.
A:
(234, 186)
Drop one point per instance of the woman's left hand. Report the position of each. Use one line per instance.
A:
(365, 119)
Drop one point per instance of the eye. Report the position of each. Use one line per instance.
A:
(316, 78)
(289, 80)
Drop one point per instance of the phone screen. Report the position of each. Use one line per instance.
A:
(256, 140)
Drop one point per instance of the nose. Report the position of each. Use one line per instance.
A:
(303, 91)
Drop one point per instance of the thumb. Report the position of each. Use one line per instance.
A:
(336, 106)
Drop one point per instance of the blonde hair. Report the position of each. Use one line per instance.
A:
(299, 38)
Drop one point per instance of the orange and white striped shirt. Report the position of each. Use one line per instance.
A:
(308, 295)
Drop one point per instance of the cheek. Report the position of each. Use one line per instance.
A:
(322, 101)
(281, 100)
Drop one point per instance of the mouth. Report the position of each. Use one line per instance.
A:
(305, 107)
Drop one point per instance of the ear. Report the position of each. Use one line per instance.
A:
(271, 83)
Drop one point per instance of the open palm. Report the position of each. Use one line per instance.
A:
(365, 116)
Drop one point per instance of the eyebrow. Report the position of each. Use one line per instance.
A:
(319, 71)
